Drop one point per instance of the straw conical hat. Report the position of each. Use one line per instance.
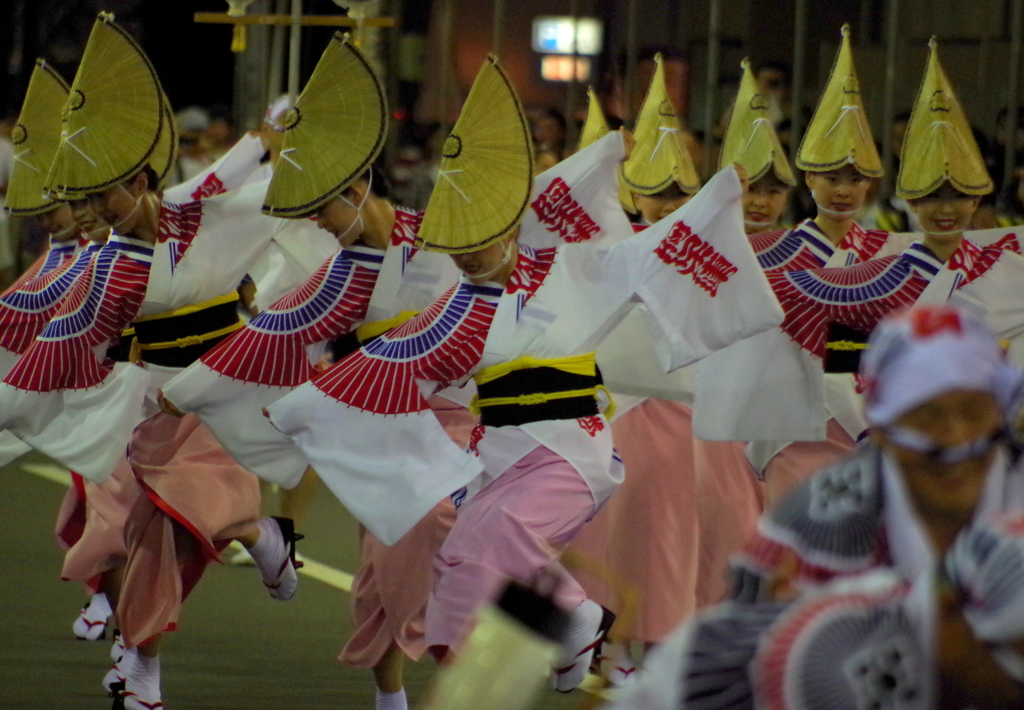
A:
(486, 172)
(595, 127)
(750, 139)
(659, 156)
(113, 118)
(332, 135)
(165, 155)
(939, 144)
(35, 138)
(839, 133)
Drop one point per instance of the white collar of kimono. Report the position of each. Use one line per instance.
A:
(910, 551)
(909, 548)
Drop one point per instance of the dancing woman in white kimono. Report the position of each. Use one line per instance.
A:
(523, 323)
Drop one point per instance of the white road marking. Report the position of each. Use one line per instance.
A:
(311, 568)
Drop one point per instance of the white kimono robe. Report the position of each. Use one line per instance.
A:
(773, 373)
(228, 388)
(365, 426)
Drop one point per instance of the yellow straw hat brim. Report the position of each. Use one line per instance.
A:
(36, 137)
(114, 116)
(750, 139)
(486, 171)
(332, 135)
(939, 144)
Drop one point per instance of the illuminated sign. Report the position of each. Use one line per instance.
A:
(557, 35)
(558, 67)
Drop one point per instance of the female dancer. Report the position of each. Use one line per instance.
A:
(522, 322)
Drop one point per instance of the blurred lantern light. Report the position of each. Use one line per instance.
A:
(558, 35)
(558, 67)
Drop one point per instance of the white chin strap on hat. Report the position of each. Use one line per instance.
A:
(506, 256)
(135, 209)
(358, 208)
(923, 444)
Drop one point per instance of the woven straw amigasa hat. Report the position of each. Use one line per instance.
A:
(486, 172)
(750, 139)
(332, 135)
(36, 137)
(839, 133)
(115, 121)
(659, 157)
(939, 144)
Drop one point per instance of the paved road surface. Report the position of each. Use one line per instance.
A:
(236, 647)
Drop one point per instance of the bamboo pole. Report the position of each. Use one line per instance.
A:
(295, 50)
(797, 95)
(288, 20)
(1012, 98)
(498, 27)
(711, 83)
(889, 98)
(632, 53)
(571, 89)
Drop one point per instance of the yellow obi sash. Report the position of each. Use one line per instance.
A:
(533, 389)
(178, 337)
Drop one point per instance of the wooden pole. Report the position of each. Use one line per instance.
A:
(799, 58)
(295, 50)
(892, 35)
(1012, 98)
(571, 89)
(498, 27)
(275, 76)
(288, 20)
(447, 63)
(393, 60)
(711, 86)
(631, 59)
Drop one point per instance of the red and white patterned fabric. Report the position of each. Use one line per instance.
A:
(277, 351)
(559, 302)
(57, 388)
(271, 348)
(103, 300)
(26, 309)
(262, 366)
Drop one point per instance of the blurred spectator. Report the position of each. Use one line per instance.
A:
(548, 128)
(996, 156)
(415, 170)
(193, 158)
(897, 131)
(773, 81)
(219, 135)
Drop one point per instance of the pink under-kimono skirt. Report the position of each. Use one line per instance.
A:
(515, 527)
(195, 500)
(647, 532)
(391, 589)
(802, 459)
(729, 504)
(90, 525)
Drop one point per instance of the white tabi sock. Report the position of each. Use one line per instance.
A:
(91, 623)
(120, 667)
(578, 645)
(392, 701)
(271, 556)
(142, 683)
